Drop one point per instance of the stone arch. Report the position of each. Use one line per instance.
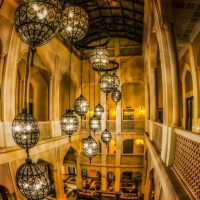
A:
(4, 193)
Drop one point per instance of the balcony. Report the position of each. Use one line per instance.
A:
(157, 136)
(95, 160)
(132, 159)
(111, 125)
(133, 125)
(110, 159)
(44, 130)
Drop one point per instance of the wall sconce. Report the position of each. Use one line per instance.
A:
(115, 112)
(141, 111)
(90, 111)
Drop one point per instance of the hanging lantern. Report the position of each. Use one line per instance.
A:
(106, 136)
(106, 83)
(89, 147)
(94, 123)
(32, 181)
(116, 95)
(69, 122)
(36, 22)
(116, 81)
(74, 23)
(99, 58)
(25, 130)
(81, 106)
(98, 111)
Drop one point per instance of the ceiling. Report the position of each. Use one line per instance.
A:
(116, 19)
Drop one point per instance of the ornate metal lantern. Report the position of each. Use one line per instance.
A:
(36, 22)
(116, 81)
(69, 122)
(74, 23)
(116, 95)
(98, 111)
(81, 106)
(106, 82)
(25, 130)
(94, 123)
(106, 136)
(99, 58)
(89, 147)
(32, 181)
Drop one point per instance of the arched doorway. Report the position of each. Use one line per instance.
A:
(4, 193)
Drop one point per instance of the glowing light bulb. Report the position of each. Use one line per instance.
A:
(40, 182)
(104, 61)
(86, 145)
(71, 14)
(17, 128)
(69, 28)
(26, 185)
(94, 144)
(37, 186)
(71, 120)
(28, 128)
(90, 151)
(35, 7)
(24, 137)
(42, 14)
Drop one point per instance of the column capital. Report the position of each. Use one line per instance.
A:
(50, 77)
(154, 31)
(168, 26)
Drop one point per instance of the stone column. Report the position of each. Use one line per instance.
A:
(79, 178)
(150, 189)
(154, 97)
(58, 183)
(50, 97)
(2, 56)
(117, 179)
(12, 196)
(103, 179)
(20, 95)
(172, 47)
(147, 107)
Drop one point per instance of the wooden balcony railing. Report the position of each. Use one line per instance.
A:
(187, 159)
(44, 130)
(110, 158)
(133, 125)
(132, 159)
(111, 125)
(157, 136)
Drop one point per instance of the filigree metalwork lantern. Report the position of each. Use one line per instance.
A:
(81, 106)
(116, 81)
(89, 147)
(94, 123)
(106, 82)
(69, 122)
(106, 136)
(25, 130)
(74, 23)
(98, 111)
(36, 22)
(99, 58)
(116, 95)
(32, 181)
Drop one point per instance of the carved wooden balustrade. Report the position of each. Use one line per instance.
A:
(187, 159)
(157, 136)
(133, 125)
(44, 130)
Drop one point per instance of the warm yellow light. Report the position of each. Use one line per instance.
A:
(141, 111)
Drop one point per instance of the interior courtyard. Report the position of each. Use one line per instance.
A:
(154, 149)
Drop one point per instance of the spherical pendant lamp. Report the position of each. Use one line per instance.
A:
(25, 130)
(99, 58)
(94, 123)
(106, 82)
(69, 122)
(98, 111)
(89, 147)
(81, 106)
(116, 81)
(36, 22)
(106, 136)
(116, 95)
(74, 23)
(32, 181)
